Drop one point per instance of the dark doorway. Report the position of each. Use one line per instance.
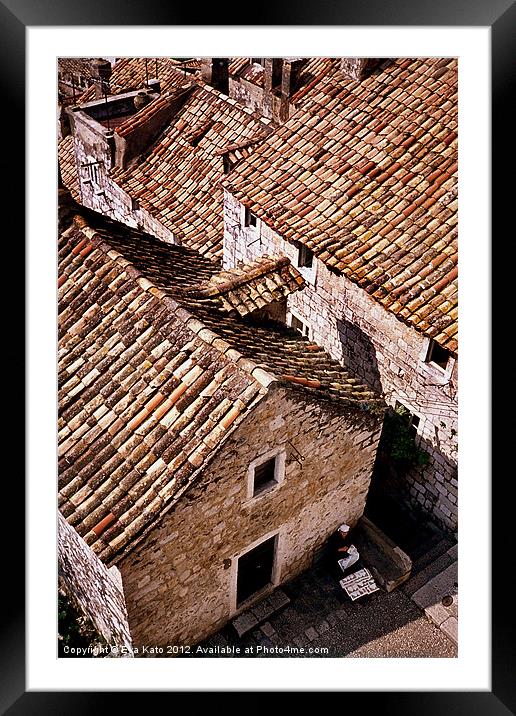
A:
(255, 569)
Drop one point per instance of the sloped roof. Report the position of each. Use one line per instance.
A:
(68, 166)
(313, 70)
(133, 124)
(77, 65)
(252, 286)
(247, 70)
(178, 180)
(152, 379)
(131, 73)
(365, 175)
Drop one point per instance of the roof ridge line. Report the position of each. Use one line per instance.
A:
(211, 288)
(263, 376)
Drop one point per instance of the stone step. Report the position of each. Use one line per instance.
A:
(438, 598)
(260, 612)
(430, 555)
(388, 563)
(420, 577)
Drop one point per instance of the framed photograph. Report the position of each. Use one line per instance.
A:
(476, 678)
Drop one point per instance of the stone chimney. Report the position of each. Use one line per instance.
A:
(289, 80)
(101, 74)
(280, 82)
(215, 72)
(358, 68)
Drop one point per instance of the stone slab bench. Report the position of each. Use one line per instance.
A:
(388, 563)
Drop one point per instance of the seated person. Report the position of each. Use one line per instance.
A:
(347, 554)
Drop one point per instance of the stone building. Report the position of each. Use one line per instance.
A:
(274, 87)
(205, 448)
(95, 591)
(359, 189)
(157, 165)
(77, 74)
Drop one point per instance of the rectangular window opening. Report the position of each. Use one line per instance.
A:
(250, 219)
(264, 476)
(437, 355)
(298, 324)
(411, 420)
(226, 164)
(305, 257)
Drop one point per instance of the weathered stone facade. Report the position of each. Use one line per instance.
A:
(95, 590)
(383, 351)
(249, 94)
(268, 91)
(94, 147)
(180, 582)
(358, 67)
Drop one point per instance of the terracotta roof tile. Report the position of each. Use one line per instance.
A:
(78, 65)
(131, 73)
(178, 180)
(153, 378)
(68, 167)
(251, 286)
(342, 192)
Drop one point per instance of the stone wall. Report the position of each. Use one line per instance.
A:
(94, 589)
(94, 149)
(180, 582)
(358, 67)
(274, 105)
(382, 350)
(247, 93)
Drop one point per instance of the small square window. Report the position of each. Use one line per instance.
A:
(298, 324)
(411, 420)
(305, 257)
(437, 355)
(250, 219)
(226, 164)
(264, 476)
(414, 424)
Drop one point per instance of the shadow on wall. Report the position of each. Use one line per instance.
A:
(406, 465)
(410, 481)
(359, 353)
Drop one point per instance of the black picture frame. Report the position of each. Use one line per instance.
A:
(15, 17)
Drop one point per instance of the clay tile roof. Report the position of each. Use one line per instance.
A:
(312, 71)
(77, 65)
(68, 167)
(252, 286)
(247, 70)
(368, 181)
(177, 181)
(237, 65)
(131, 73)
(153, 380)
(135, 121)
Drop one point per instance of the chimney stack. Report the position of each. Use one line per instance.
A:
(101, 73)
(358, 68)
(215, 72)
(280, 82)
(289, 80)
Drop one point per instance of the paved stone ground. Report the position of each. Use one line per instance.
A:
(323, 622)
(439, 598)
